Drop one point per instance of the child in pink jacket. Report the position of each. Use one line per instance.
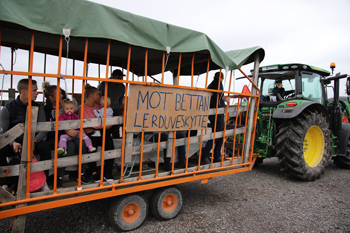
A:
(68, 107)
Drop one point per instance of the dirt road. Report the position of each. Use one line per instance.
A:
(262, 200)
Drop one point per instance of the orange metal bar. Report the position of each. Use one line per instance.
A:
(173, 154)
(250, 80)
(188, 148)
(245, 130)
(124, 117)
(192, 69)
(216, 118)
(178, 70)
(82, 114)
(104, 117)
(73, 73)
(29, 139)
(163, 64)
(208, 65)
(96, 196)
(158, 150)
(56, 115)
(191, 175)
(146, 64)
(200, 150)
(45, 57)
(141, 155)
(223, 136)
(234, 137)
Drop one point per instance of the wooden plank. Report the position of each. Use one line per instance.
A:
(169, 145)
(128, 147)
(20, 221)
(11, 135)
(6, 196)
(149, 177)
(74, 124)
(116, 153)
(117, 120)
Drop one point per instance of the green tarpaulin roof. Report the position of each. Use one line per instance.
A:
(99, 23)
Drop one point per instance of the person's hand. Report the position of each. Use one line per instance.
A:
(17, 147)
(226, 99)
(72, 132)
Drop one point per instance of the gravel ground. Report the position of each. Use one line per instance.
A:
(262, 200)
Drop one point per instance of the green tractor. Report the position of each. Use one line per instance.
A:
(299, 124)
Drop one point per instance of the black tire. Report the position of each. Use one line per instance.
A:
(128, 212)
(297, 158)
(166, 203)
(344, 161)
(258, 161)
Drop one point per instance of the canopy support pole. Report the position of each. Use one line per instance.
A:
(251, 112)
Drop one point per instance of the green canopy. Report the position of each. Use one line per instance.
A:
(100, 23)
(245, 56)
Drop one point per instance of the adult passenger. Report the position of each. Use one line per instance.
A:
(220, 121)
(92, 100)
(116, 93)
(14, 113)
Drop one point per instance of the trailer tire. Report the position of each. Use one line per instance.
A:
(128, 212)
(166, 203)
(304, 146)
(344, 161)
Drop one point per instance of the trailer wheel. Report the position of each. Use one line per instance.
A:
(344, 161)
(166, 203)
(304, 146)
(128, 212)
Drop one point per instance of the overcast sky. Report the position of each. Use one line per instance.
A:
(315, 32)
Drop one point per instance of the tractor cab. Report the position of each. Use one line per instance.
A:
(299, 81)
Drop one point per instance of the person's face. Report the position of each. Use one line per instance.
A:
(96, 97)
(69, 109)
(120, 77)
(279, 85)
(53, 98)
(34, 92)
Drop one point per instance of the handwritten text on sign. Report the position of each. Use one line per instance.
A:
(153, 108)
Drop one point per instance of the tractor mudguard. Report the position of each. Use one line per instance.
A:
(283, 112)
(343, 137)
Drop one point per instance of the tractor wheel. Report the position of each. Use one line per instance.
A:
(344, 161)
(128, 212)
(304, 146)
(258, 161)
(166, 203)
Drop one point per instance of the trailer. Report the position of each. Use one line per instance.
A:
(75, 43)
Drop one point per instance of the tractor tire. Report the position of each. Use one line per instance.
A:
(304, 146)
(344, 161)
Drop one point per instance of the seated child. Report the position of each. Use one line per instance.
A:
(100, 113)
(68, 107)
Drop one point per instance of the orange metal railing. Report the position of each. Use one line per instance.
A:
(81, 193)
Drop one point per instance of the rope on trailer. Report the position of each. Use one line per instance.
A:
(2, 86)
(14, 51)
(66, 33)
(197, 81)
(168, 49)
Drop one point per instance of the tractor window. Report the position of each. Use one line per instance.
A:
(269, 84)
(312, 88)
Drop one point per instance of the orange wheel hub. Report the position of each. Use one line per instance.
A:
(131, 212)
(169, 203)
